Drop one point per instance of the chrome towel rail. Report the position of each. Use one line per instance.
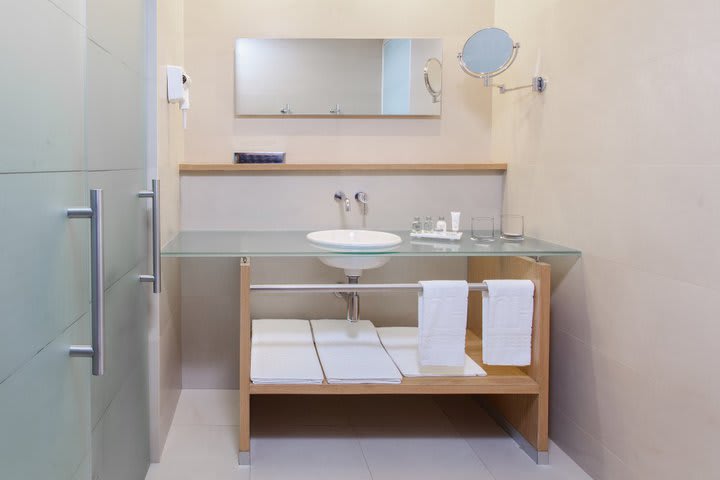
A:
(351, 288)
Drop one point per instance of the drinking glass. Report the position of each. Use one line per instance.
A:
(482, 229)
(512, 227)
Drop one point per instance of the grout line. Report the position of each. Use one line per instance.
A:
(39, 350)
(52, 2)
(355, 432)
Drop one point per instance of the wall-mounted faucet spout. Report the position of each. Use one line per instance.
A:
(362, 199)
(340, 195)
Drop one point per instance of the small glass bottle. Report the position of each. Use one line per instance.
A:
(441, 226)
(417, 225)
(428, 224)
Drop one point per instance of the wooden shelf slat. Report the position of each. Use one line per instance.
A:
(499, 380)
(229, 168)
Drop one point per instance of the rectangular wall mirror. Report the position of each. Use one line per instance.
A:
(338, 77)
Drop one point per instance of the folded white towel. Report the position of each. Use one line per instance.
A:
(283, 352)
(402, 345)
(352, 353)
(507, 317)
(442, 320)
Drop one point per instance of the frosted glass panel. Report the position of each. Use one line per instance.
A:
(295, 244)
(125, 339)
(45, 412)
(42, 84)
(115, 113)
(121, 439)
(48, 255)
(118, 26)
(125, 225)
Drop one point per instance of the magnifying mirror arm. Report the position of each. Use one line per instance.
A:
(539, 84)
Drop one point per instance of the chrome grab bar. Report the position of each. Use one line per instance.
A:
(154, 194)
(96, 351)
(352, 288)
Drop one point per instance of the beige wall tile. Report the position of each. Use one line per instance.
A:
(168, 146)
(622, 163)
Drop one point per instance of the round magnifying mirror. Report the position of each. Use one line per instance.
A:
(488, 52)
(433, 78)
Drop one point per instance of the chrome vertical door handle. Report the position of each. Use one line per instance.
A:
(154, 194)
(97, 283)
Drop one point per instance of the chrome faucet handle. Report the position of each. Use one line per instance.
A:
(340, 196)
(362, 198)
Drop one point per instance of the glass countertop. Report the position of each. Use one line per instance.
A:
(294, 244)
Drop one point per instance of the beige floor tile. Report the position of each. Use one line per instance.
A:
(420, 452)
(307, 452)
(197, 471)
(207, 407)
(363, 437)
(500, 453)
(200, 444)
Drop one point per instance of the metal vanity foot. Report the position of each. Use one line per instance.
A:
(243, 458)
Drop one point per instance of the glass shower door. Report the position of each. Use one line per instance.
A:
(73, 100)
(45, 395)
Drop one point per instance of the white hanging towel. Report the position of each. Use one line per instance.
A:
(401, 344)
(283, 353)
(352, 353)
(442, 323)
(507, 317)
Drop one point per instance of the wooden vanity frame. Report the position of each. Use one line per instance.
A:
(516, 397)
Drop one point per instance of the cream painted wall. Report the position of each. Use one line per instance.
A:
(211, 27)
(620, 158)
(165, 155)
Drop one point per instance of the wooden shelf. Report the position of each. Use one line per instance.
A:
(498, 380)
(233, 168)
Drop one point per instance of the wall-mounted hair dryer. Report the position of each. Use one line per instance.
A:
(179, 89)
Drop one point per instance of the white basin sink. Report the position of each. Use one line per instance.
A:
(350, 240)
(355, 241)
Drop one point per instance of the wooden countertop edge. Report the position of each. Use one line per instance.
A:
(229, 168)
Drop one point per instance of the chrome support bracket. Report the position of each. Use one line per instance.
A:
(82, 351)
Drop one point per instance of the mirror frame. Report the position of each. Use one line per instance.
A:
(436, 94)
(503, 68)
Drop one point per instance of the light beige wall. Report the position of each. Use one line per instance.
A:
(165, 345)
(620, 158)
(211, 27)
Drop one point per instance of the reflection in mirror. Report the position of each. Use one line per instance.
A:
(433, 78)
(335, 77)
(488, 53)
